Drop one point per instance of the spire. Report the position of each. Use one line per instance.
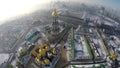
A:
(55, 24)
(54, 13)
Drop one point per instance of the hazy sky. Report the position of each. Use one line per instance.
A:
(110, 3)
(114, 3)
(11, 8)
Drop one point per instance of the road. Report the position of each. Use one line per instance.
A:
(105, 51)
(16, 46)
(71, 20)
(22, 38)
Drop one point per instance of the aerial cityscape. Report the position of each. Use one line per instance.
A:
(62, 34)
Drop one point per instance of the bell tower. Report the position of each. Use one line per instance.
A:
(55, 23)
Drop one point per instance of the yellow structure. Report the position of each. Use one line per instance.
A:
(54, 13)
(43, 48)
(55, 24)
(45, 61)
(54, 51)
(113, 56)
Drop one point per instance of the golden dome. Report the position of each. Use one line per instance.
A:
(54, 13)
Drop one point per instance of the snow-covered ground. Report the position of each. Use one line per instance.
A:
(3, 58)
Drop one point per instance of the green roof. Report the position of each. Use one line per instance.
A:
(33, 35)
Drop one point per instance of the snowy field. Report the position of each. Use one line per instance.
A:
(4, 57)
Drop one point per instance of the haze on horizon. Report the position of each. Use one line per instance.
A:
(12, 8)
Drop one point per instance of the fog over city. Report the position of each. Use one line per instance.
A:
(13, 8)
